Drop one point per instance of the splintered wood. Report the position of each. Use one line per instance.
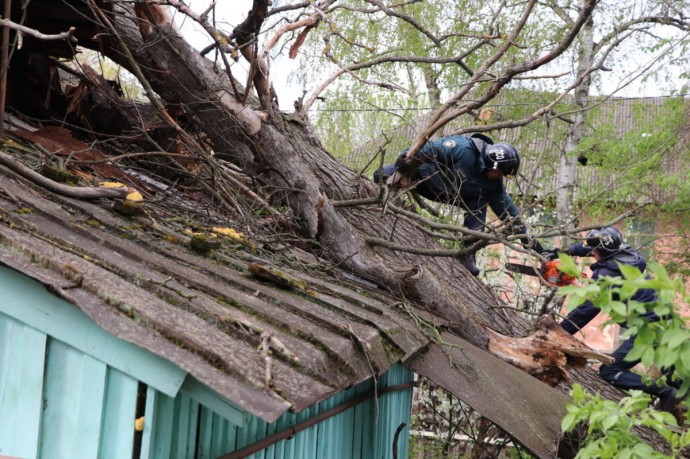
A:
(546, 354)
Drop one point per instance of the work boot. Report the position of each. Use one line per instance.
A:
(469, 262)
(668, 399)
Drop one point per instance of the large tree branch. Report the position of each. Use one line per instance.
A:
(447, 113)
(246, 35)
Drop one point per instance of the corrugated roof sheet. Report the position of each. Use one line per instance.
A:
(139, 279)
(223, 316)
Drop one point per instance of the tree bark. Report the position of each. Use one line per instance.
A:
(568, 174)
(282, 152)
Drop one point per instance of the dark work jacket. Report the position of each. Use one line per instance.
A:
(584, 313)
(454, 173)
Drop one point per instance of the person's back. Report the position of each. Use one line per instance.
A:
(466, 172)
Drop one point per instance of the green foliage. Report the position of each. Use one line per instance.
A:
(637, 160)
(664, 344)
(610, 426)
(364, 107)
(393, 95)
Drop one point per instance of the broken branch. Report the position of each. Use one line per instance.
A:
(36, 34)
(546, 354)
(59, 188)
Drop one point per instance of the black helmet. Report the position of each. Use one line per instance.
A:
(607, 240)
(503, 157)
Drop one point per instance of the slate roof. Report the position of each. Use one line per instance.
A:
(140, 279)
(266, 325)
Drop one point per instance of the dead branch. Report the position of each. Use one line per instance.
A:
(308, 23)
(69, 35)
(58, 188)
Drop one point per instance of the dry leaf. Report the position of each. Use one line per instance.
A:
(111, 185)
(229, 232)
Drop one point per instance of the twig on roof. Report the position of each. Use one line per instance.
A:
(64, 190)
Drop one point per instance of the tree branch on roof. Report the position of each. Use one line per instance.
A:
(59, 188)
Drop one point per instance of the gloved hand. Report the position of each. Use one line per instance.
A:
(551, 254)
(532, 244)
(406, 165)
(536, 246)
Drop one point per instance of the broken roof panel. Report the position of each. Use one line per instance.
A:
(139, 279)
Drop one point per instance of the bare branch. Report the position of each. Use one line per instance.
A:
(218, 37)
(391, 12)
(246, 34)
(58, 188)
(36, 34)
(446, 113)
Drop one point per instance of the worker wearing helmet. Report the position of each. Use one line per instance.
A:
(609, 251)
(466, 172)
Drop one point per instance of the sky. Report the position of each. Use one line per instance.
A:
(229, 13)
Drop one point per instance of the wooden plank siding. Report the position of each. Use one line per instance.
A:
(58, 400)
(22, 354)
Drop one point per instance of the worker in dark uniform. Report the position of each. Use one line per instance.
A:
(609, 251)
(466, 172)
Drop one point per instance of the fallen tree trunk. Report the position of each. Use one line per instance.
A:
(282, 153)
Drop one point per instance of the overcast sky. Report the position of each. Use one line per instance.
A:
(229, 13)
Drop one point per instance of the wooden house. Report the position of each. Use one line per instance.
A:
(119, 339)
(165, 330)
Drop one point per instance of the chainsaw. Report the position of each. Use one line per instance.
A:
(547, 271)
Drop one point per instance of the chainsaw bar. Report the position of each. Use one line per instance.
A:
(523, 269)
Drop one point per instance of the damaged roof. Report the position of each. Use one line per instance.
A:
(216, 313)
(268, 326)
(220, 287)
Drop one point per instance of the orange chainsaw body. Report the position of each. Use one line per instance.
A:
(551, 274)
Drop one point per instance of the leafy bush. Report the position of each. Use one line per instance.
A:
(664, 344)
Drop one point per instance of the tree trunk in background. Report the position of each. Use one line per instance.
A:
(568, 176)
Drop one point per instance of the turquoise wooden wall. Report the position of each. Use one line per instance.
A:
(70, 390)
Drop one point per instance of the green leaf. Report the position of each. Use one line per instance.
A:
(635, 353)
(569, 422)
(662, 309)
(619, 308)
(567, 265)
(629, 272)
(674, 338)
(647, 356)
(669, 358)
(645, 336)
(609, 422)
(685, 356)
